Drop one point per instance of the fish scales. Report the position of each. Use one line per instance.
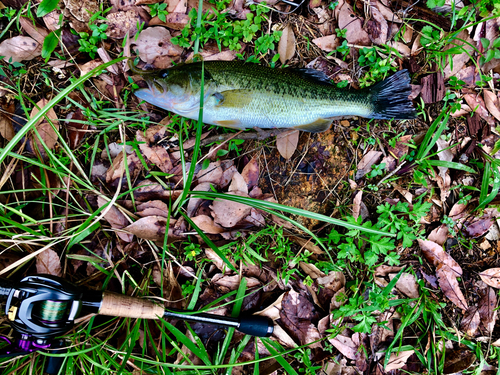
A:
(240, 95)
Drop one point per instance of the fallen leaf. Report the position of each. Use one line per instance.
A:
(123, 23)
(228, 213)
(207, 224)
(447, 280)
(456, 361)
(153, 208)
(35, 31)
(398, 360)
(477, 103)
(213, 173)
(238, 183)
(48, 262)
(286, 45)
(327, 43)
(233, 282)
(6, 126)
(407, 284)
(345, 345)
(47, 132)
(217, 260)
(157, 155)
(117, 169)
(287, 143)
(491, 277)
(470, 322)
(348, 20)
(356, 204)
(492, 103)
(437, 256)
(194, 203)
(20, 48)
(384, 270)
(439, 235)
(154, 47)
(147, 190)
(151, 228)
(365, 165)
(477, 228)
(251, 173)
(311, 270)
(487, 308)
(116, 219)
(377, 27)
(296, 315)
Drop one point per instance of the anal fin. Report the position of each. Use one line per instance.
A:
(318, 126)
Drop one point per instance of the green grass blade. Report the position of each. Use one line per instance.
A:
(451, 165)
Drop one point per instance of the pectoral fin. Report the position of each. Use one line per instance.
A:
(233, 124)
(318, 126)
(233, 98)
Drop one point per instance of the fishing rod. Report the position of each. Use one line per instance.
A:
(39, 308)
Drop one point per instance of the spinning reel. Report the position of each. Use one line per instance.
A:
(40, 308)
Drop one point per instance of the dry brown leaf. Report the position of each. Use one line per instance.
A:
(155, 48)
(327, 43)
(207, 225)
(273, 310)
(217, 260)
(356, 204)
(157, 155)
(377, 27)
(439, 235)
(213, 173)
(233, 282)
(310, 269)
(491, 277)
(194, 203)
(238, 183)
(286, 45)
(345, 345)
(437, 256)
(448, 282)
(37, 32)
(251, 173)
(458, 360)
(20, 48)
(6, 127)
(470, 321)
(384, 270)
(308, 244)
(296, 315)
(398, 360)
(44, 129)
(478, 105)
(117, 169)
(122, 23)
(407, 284)
(228, 213)
(153, 208)
(287, 143)
(48, 262)
(150, 228)
(492, 103)
(365, 165)
(116, 219)
(82, 10)
(487, 308)
(348, 20)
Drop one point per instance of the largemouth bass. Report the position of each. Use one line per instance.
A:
(246, 95)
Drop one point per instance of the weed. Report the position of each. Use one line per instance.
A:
(378, 67)
(8, 13)
(160, 10)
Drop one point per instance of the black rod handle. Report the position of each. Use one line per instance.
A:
(254, 325)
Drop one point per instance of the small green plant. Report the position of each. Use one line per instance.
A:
(216, 26)
(192, 250)
(378, 67)
(8, 13)
(160, 10)
(377, 170)
(89, 42)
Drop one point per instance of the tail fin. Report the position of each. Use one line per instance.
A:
(390, 98)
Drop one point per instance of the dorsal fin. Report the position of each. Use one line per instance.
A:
(312, 75)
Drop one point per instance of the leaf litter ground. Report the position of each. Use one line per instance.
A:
(422, 302)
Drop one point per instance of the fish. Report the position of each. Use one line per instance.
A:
(242, 95)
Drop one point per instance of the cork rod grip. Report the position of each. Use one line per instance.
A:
(129, 307)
